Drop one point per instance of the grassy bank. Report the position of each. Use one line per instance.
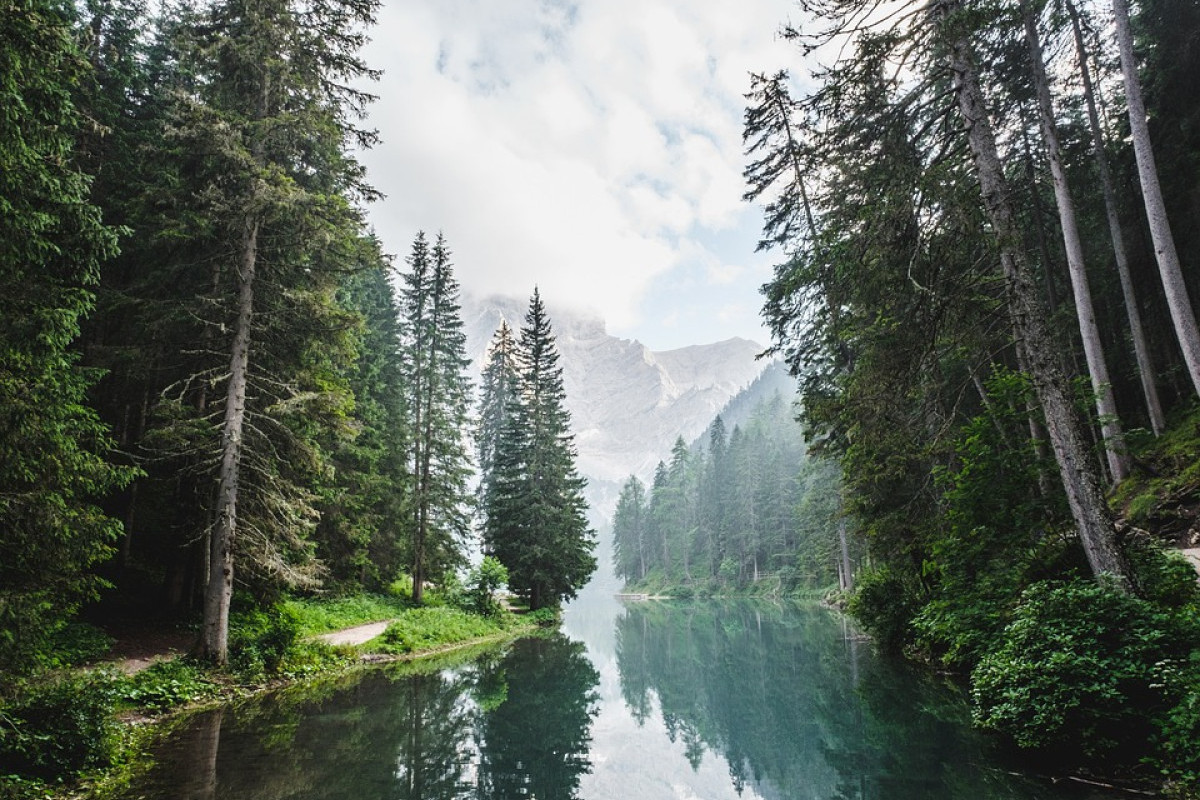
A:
(80, 731)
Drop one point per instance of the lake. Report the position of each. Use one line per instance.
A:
(643, 700)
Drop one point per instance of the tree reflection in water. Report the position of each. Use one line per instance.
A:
(506, 723)
(798, 705)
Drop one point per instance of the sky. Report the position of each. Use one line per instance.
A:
(590, 148)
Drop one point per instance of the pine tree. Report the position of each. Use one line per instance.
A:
(537, 525)
(362, 509)
(433, 351)
(499, 396)
(262, 117)
(52, 241)
(629, 531)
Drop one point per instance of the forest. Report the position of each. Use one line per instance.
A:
(219, 395)
(984, 219)
(217, 392)
(740, 511)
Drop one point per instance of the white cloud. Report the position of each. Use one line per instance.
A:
(588, 148)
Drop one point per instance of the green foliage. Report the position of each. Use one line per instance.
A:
(167, 684)
(52, 241)
(78, 643)
(1161, 495)
(260, 640)
(544, 617)
(745, 513)
(321, 615)
(1179, 726)
(61, 728)
(1079, 670)
(429, 628)
(535, 513)
(883, 605)
(482, 584)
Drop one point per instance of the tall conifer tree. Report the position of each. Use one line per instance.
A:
(537, 524)
(52, 469)
(435, 364)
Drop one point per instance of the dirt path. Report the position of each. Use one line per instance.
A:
(356, 635)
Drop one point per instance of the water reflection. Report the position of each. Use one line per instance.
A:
(798, 706)
(507, 725)
(730, 701)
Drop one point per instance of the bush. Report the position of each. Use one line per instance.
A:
(482, 584)
(79, 643)
(61, 729)
(881, 604)
(1179, 727)
(260, 639)
(1079, 670)
(543, 617)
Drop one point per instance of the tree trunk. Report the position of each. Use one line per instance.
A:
(1078, 467)
(1169, 270)
(1085, 312)
(1141, 348)
(845, 568)
(214, 644)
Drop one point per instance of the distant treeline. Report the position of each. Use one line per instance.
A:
(746, 509)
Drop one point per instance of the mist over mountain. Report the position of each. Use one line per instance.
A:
(628, 403)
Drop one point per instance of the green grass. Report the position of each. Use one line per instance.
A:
(322, 615)
(429, 628)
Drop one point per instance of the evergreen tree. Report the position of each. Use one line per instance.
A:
(499, 396)
(264, 114)
(52, 241)
(536, 515)
(363, 519)
(629, 531)
(435, 364)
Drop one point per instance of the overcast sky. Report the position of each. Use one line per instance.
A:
(592, 148)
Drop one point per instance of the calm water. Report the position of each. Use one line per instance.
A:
(650, 700)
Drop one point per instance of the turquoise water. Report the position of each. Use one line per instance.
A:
(649, 700)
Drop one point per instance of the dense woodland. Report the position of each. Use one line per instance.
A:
(741, 510)
(985, 215)
(215, 387)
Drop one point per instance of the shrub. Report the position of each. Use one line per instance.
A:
(482, 584)
(1179, 727)
(260, 639)
(543, 617)
(79, 643)
(882, 605)
(62, 728)
(1079, 670)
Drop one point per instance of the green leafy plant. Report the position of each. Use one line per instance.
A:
(482, 584)
(260, 639)
(1079, 670)
(167, 684)
(62, 728)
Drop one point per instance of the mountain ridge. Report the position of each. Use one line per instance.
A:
(628, 403)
